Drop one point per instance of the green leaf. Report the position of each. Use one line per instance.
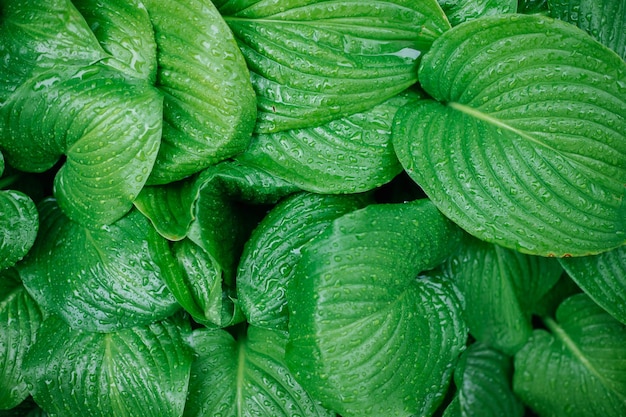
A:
(605, 20)
(114, 279)
(20, 318)
(247, 377)
(68, 101)
(603, 278)
(19, 222)
(210, 107)
(526, 148)
(124, 31)
(211, 214)
(461, 11)
(141, 371)
(483, 379)
(315, 61)
(500, 287)
(268, 261)
(348, 155)
(533, 6)
(366, 335)
(578, 368)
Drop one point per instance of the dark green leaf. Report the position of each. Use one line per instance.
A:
(315, 61)
(268, 262)
(247, 377)
(605, 20)
(19, 320)
(142, 371)
(464, 10)
(210, 106)
(527, 146)
(578, 368)
(366, 335)
(603, 278)
(500, 287)
(483, 379)
(98, 279)
(348, 155)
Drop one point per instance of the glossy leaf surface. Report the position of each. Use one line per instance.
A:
(526, 147)
(578, 368)
(114, 279)
(315, 61)
(19, 222)
(268, 261)
(139, 371)
(247, 377)
(366, 335)
(464, 10)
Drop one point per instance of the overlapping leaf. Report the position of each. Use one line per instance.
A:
(605, 20)
(210, 107)
(20, 319)
(500, 287)
(527, 147)
(483, 381)
(366, 336)
(60, 97)
(99, 279)
(315, 61)
(578, 368)
(19, 222)
(348, 155)
(603, 278)
(247, 377)
(464, 10)
(268, 261)
(142, 371)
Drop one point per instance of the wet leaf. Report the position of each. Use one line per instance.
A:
(464, 10)
(19, 223)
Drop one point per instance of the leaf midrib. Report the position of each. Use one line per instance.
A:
(560, 334)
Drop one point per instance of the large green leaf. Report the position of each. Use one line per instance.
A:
(500, 287)
(19, 222)
(578, 368)
(603, 278)
(367, 337)
(483, 381)
(268, 261)
(526, 147)
(348, 155)
(245, 377)
(141, 371)
(464, 10)
(98, 279)
(209, 216)
(61, 97)
(315, 61)
(20, 318)
(210, 107)
(605, 20)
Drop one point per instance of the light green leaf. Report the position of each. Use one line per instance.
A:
(124, 31)
(367, 337)
(98, 279)
(500, 288)
(315, 61)
(464, 10)
(578, 368)
(19, 222)
(605, 20)
(66, 100)
(210, 107)
(527, 146)
(20, 318)
(483, 379)
(603, 278)
(348, 155)
(268, 261)
(246, 377)
(141, 371)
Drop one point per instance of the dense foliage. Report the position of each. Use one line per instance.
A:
(312, 208)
